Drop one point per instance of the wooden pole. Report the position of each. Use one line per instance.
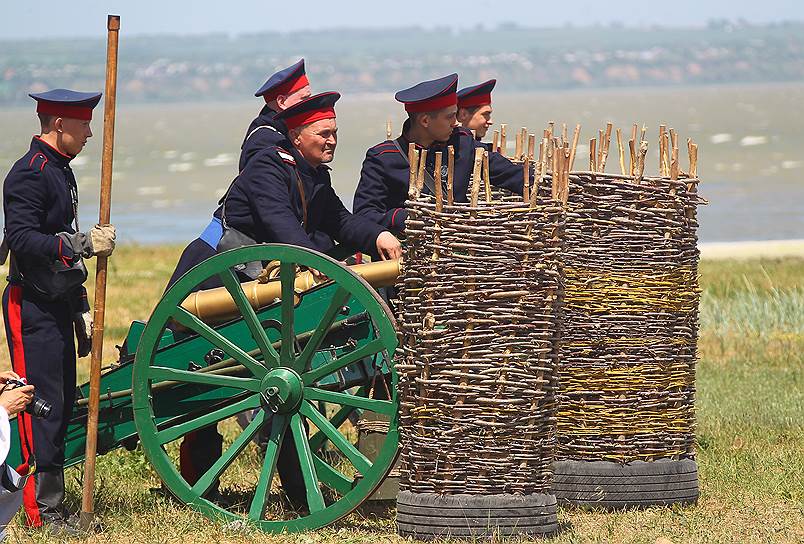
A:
(421, 173)
(388, 129)
(576, 135)
(531, 145)
(503, 144)
(692, 148)
(495, 141)
(599, 148)
(621, 151)
(662, 151)
(605, 144)
(632, 151)
(526, 179)
(450, 174)
(439, 192)
(592, 155)
(674, 166)
(518, 146)
(476, 176)
(104, 217)
(413, 163)
(643, 151)
(486, 175)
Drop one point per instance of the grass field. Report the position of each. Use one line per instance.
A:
(750, 426)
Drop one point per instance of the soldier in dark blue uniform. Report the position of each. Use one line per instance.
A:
(282, 90)
(474, 108)
(431, 124)
(45, 302)
(285, 195)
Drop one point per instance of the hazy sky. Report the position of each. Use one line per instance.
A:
(79, 18)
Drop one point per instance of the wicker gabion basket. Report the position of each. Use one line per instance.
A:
(478, 307)
(626, 418)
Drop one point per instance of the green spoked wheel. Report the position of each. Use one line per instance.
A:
(302, 366)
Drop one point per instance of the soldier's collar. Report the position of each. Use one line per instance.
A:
(51, 152)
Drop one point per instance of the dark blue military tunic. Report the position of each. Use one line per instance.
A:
(265, 203)
(263, 132)
(39, 199)
(383, 187)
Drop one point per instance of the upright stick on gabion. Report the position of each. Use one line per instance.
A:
(478, 308)
(625, 424)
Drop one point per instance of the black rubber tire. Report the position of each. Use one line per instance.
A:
(428, 515)
(638, 484)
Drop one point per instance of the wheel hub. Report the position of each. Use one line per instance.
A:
(281, 391)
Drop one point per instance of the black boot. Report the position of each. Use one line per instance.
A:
(50, 501)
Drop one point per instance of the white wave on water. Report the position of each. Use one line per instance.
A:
(789, 165)
(150, 191)
(221, 159)
(180, 167)
(161, 203)
(753, 140)
(720, 138)
(170, 154)
(188, 156)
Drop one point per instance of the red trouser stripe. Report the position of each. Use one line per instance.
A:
(24, 424)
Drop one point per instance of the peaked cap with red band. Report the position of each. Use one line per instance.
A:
(430, 95)
(284, 82)
(309, 110)
(66, 103)
(477, 95)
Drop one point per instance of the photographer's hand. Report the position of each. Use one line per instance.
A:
(15, 400)
(8, 375)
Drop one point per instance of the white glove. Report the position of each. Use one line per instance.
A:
(103, 239)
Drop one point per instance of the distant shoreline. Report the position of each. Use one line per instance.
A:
(752, 249)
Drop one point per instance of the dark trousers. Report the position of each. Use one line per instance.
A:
(42, 347)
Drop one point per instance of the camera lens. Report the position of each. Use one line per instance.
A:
(39, 408)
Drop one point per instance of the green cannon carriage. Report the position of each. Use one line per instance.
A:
(313, 356)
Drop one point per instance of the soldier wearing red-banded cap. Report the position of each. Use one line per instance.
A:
(45, 302)
(432, 107)
(474, 108)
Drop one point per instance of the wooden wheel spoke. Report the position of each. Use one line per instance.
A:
(315, 499)
(211, 335)
(177, 431)
(238, 445)
(372, 348)
(287, 278)
(278, 425)
(319, 438)
(161, 373)
(358, 460)
(385, 407)
(340, 298)
(331, 477)
(269, 355)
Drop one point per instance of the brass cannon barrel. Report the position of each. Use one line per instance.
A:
(217, 304)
